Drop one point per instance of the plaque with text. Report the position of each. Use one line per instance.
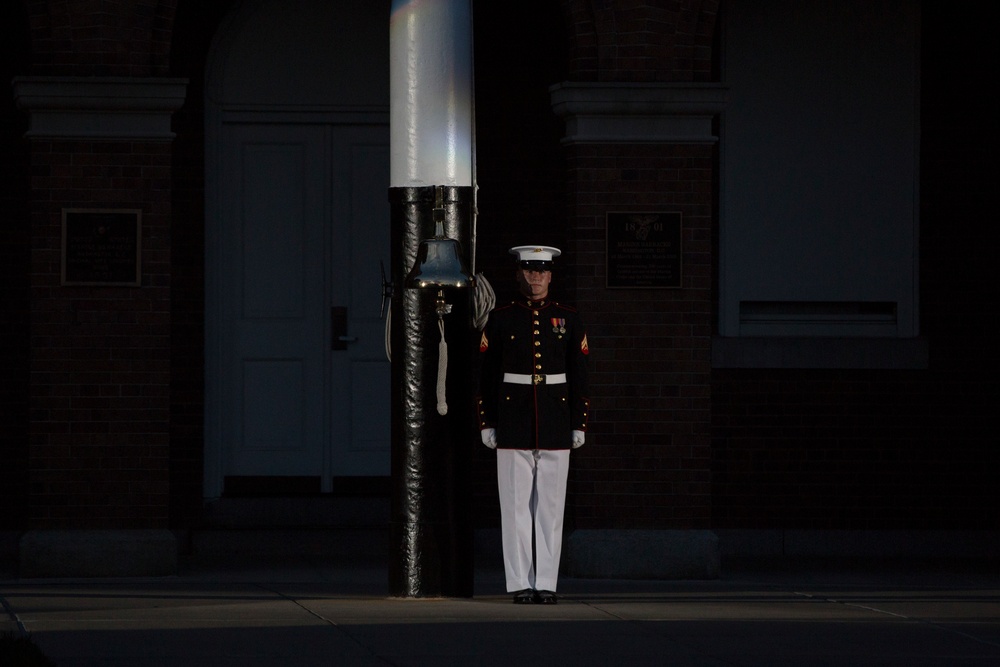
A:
(101, 246)
(644, 250)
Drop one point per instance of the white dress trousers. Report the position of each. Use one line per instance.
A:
(532, 487)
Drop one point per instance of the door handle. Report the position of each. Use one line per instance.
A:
(338, 329)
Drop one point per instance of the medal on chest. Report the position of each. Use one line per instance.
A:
(558, 325)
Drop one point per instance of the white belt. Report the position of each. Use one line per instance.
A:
(519, 378)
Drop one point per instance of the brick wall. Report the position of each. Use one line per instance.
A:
(101, 37)
(99, 355)
(647, 462)
(647, 465)
(851, 450)
(99, 364)
(14, 258)
(641, 40)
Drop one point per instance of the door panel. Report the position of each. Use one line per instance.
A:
(274, 287)
(274, 394)
(360, 374)
(305, 226)
(274, 195)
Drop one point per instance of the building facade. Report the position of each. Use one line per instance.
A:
(794, 354)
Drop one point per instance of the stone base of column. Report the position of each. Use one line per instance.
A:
(97, 553)
(642, 554)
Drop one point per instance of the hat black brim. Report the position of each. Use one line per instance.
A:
(538, 265)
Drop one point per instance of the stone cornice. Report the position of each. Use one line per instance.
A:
(100, 107)
(638, 113)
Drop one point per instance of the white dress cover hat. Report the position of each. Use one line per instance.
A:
(535, 255)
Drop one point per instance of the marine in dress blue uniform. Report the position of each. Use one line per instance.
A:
(533, 409)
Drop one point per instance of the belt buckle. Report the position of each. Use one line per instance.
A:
(538, 379)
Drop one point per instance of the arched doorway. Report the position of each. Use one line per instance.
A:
(297, 222)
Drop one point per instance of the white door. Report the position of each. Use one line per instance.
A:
(303, 384)
(359, 373)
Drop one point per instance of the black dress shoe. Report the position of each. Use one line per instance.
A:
(527, 596)
(546, 597)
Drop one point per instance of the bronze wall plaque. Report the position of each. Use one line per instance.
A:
(101, 246)
(644, 250)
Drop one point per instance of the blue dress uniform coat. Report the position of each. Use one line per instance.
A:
(534, 375)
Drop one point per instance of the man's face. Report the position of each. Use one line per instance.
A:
(534, 283)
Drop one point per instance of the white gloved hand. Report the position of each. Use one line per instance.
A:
(489, 436)
(578, 438)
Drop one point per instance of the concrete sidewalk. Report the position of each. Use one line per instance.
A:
(302, 615)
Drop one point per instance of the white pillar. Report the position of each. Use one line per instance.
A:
(431, 93)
